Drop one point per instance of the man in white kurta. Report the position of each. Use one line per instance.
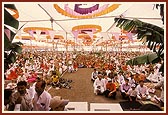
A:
(98, 85)
(142, 90)
(41, 100)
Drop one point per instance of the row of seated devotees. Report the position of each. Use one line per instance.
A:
(44, 63)
(36, 98)
(32, 98)
(128, 87)
(104, 85)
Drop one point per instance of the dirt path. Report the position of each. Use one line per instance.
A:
(82, 88)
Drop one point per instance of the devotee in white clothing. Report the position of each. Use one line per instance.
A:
(98, 85)
(94, 75)
(153, 77)
(41, 100)
(132, 93)
(124, 89)
(143, 93)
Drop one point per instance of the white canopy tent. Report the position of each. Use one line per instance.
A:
(44, 15)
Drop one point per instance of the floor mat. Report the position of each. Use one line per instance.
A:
(130, 105)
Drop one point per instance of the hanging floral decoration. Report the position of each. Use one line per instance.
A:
(24, 37)
(81, 13)
(86, 30)
(94, 28)
(56, 37)
(85, 36)
(35, 29)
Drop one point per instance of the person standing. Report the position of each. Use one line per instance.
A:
(41, 100)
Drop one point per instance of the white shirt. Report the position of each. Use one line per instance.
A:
(153, 77)
(94, 75)
(31, 91)
(108, 71)
(132, 92)
(142, 90)
(98, 83)
(121, 79)
(42, 102)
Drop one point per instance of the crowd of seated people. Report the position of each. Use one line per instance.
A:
(110, 74)
(36, 98)
(32, 67)
(133, 82)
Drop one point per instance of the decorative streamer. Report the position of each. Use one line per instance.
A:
(75, 33)
(51, 34)
(38, 33)
(31, 33)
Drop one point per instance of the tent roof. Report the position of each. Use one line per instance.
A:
(34, 14)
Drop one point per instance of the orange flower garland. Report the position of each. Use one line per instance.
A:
(56, 37)
(24, 37)
(27, 29)
(103, 12)
(85, 36)
(84, 27)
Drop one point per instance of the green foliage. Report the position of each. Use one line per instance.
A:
(148, 58)
(151, 35)
(11, 50)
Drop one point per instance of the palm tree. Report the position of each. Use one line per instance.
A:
(151, 35)
(11, 24)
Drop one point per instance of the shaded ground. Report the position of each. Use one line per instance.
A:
(82, 89)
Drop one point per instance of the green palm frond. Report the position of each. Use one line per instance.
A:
(148, 33)
(11, 50)
(151, 35)
(148, 58)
